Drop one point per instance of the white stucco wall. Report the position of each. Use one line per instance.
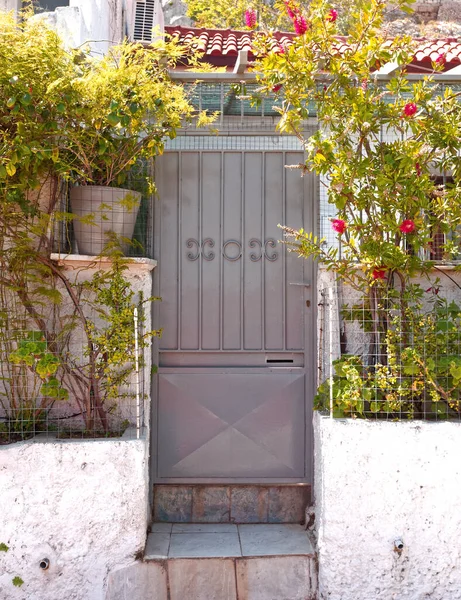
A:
(81, 504)
(376, 482)
(98, 22)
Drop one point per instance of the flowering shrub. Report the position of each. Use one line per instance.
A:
(377, 143)
(376, 148)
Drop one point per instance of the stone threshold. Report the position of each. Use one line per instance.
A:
(225, 540)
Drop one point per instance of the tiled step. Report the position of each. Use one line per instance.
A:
(220, 562)
(231, 503)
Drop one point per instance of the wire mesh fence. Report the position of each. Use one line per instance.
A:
(383, 356)
(70, 375)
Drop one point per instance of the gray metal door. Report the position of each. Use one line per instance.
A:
(236, 369)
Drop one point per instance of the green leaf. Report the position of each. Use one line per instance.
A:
(17, 581)
(3, 547)
(455, 372)
(113, 119)
(411, 368)
(10, 169)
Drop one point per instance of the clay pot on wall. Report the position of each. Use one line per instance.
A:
(101, 212)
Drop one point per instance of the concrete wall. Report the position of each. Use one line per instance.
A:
(81, 504)
(376, 482)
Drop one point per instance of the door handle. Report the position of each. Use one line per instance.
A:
(303, 284)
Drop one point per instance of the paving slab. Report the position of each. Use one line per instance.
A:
(161, 527)
(204, 545)
(157, 546)
(211, 579)
(210, 504)
(275, 578)
(274, 540)
(139, 581)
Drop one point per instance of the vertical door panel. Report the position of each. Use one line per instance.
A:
(210, 216)
(274, 321)
(231, 251)
(189, 248)
(252, 277)
(169, 269)
(294, 204)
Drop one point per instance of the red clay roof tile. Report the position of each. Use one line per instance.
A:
(223, 43)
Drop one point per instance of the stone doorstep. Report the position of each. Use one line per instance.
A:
(207, 540)
(220, 562)
(264, 578)
(225, 562)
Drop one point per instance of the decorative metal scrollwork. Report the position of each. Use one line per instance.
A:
(202, 249)
(190, 243)
(272, 244)
(253, 243)
(211, 254)
(239, 250)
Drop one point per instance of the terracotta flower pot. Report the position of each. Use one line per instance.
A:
(102, 211)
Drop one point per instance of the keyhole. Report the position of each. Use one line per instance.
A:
(308, 303)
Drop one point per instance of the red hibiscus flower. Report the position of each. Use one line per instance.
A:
(332, 15)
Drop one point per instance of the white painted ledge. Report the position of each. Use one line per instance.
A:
(79, 261)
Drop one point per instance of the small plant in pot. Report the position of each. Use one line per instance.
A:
(124, 106)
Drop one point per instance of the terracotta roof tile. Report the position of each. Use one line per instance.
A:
(227, 43)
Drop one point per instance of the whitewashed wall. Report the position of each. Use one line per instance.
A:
(98, 22)
(81, 504)
(376, 482)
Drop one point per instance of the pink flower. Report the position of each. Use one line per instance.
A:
(410, 109)
(379, 273)
(332, 15)
(291, 11)
(281, 49)
(441, 60)
(300, 25)
(277, 88)
(418, 169)
(407, 226)
(339, 225)
(250, 18)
